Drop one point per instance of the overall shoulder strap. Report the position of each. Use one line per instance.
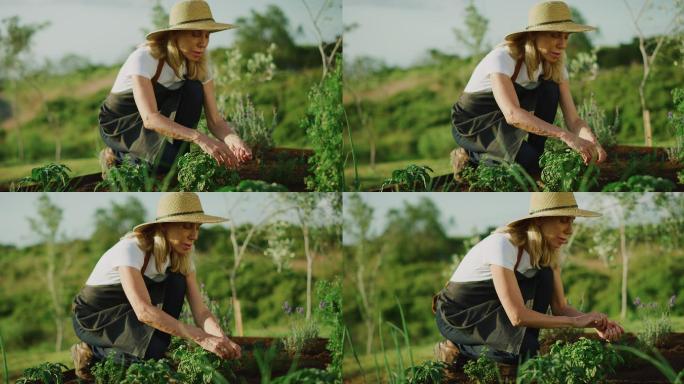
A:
(518, 65)
(144, 267)
(160, 65)
(517, 261)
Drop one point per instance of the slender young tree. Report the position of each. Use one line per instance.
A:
(472, 37)
(327, 53)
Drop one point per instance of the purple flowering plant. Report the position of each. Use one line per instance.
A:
(655, 318)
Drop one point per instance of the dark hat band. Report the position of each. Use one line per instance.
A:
(178, 214)
(552, 208)
(550, 22)
(192, 21)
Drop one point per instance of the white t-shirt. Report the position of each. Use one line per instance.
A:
(494, 249)
(125, 252)
(499, 60)
(141, 63)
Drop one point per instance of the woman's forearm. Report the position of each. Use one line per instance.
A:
(534, 319)
(165, 126)
(208, 322)
(158, 319)
(527, 121)
(220, 129)
(567, 311)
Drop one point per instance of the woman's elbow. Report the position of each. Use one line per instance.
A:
(517, 319)
(512, 116)
(145, 314)
(149, 120)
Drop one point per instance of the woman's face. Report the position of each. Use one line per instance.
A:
(192, 44)
(551, 45)
(556, 230)
(181, 236)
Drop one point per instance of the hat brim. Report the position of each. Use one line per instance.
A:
(573, 212)
(569, 27)
(196, 26)
(191, 218)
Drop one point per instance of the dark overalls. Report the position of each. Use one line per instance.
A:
(471, 316)
(121, 126)
(104, 319)
(479, 126)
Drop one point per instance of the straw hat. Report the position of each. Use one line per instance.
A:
(546, 204)
(191, 15)
(180, 207)
(552, 16)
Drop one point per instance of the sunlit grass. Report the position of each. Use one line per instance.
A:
(373, 177)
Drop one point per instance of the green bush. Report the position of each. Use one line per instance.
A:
(199, 172)
(48, 178)
(483, 370)
(436, 143)
(412, 178)
(500, 177)
(640, 183)
(47, 373)
(564, 171)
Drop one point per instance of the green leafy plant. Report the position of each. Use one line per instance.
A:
(129, 176)
(412, 178)
(252, 127)
(584, 362)
(199, 366)
(499, 177)
(428, 372)
(109, 370)
(656, 321)
(48, 178)
(564, 171)
(483, 370)
(301, 329)
(640, 183)
(48, 373)
(150, 372)
(199, 172)
(329, 312)
(306, 376)
(595, 117)
(323, 125)
(680, 176)
(676, 125)
(253, 186)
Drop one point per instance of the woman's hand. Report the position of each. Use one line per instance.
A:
(612, 332)
(216, 149)
(239, 149)
(584, 147)
(591, 320)
(585, 133)
(223, 347)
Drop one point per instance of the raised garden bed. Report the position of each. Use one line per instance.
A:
(632, 372)
(623, 161)
(313, 355)
(286, 166)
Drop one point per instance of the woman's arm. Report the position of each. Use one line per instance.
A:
(136, 293)
(520, 316)
(203, 317)
(507, 100)
(220, 128)
(575, 123)
(143, 93)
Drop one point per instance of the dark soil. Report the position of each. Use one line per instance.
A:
(314, 354)
(285, 166)
(632, 372)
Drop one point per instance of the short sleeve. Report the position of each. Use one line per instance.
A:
(499, 251)
(500, 61)
(142, 63)
(128, 253)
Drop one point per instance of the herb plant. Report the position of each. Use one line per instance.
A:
(676, 125)
(564, 171)
(499, 177)
(199, 172)
(640, 183)
(199, 366)
(428, 372)
(595, 117)
(150, 372)
(109, 370)
(323, 125)
(301, 329)
(483, 370)
(252, 127)
(48, 178)
(329, 312)
(128, 177)
(656, 321)
(412, 178)
(584, 362)
(48, 373)
(253, 186)
(306, 376)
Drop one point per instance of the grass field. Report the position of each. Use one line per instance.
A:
(373, 177)
(374, 366)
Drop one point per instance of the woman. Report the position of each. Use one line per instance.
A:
(131, 302)
(157, 98)
(498, 297)
(508, 107)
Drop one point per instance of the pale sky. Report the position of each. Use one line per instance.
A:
(471, 210)
(402, 31)
(79, 210)
(106, 31)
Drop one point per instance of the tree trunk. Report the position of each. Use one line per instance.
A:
(625, 271)
(237, 313)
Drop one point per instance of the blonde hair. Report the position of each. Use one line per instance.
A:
(523, 47)
(527, 234)
(165, 46)
(153, 242)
